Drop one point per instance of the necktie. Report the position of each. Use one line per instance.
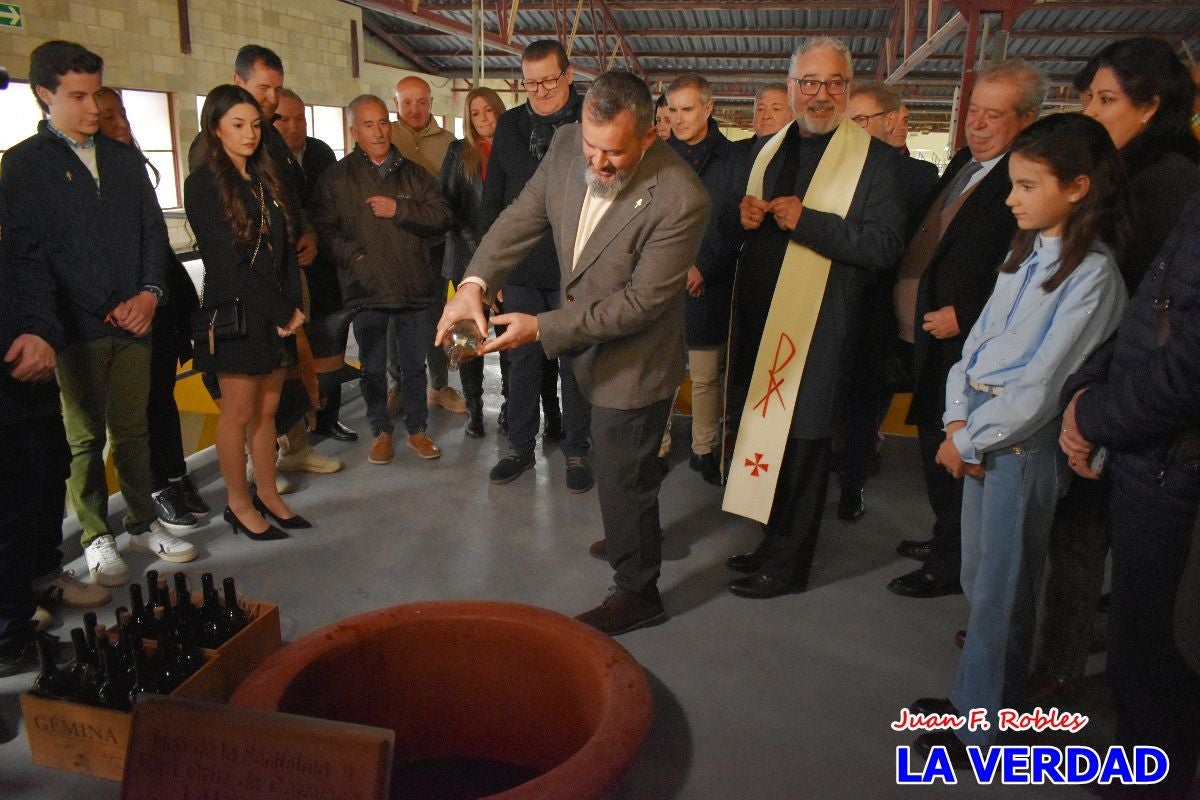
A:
(960, 182)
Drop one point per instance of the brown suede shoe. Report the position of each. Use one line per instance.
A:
(381, 449)
(424, 445)
(624, 611)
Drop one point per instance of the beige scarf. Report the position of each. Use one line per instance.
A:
(795, 304)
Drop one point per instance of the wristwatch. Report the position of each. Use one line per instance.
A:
(154, 290)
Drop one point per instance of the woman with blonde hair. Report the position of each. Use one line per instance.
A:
(462, 177)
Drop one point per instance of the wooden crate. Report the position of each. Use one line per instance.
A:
(92, 740)
(242, 654)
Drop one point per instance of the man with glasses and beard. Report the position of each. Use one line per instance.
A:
(627, 216)
(823, 208)
(522, 140)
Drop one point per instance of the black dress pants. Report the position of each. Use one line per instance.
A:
(945, 497)
(34, 464)
(795, 521)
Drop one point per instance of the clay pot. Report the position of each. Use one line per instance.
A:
(476, 683)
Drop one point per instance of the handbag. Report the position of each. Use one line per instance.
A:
(219, 324)
(227, 321)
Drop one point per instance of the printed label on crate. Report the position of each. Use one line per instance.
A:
(204, 751)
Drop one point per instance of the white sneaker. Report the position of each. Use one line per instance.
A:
(64, 587)
(307, 459)
(164, 544)
(105, 563)
(282, 484)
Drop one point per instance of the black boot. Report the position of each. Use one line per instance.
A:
(474, 427)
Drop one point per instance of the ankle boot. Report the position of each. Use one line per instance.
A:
(475, 418)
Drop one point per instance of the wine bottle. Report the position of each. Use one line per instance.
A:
(213, 629)
(142, 618)
(185, 611)
(84, 675)
(113, 692)
(89, 634)
(151, 590)
(235, 615)
(50, 682)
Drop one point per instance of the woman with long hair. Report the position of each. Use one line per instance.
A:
(245, 230)
(462, 177)
(176, 500)
(1141, 93)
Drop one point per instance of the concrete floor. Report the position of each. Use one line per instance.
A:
(780, 699)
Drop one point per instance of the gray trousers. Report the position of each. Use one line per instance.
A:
(625, 463)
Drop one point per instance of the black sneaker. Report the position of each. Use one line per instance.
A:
(171, 510)
(579, 475)
(510, 467)
(192, 500)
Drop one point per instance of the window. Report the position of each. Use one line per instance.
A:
(19, 115)
(149, 118)
(458, 128)
(328, 123)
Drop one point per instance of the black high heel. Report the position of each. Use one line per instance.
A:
(291, 523)
(238, 526)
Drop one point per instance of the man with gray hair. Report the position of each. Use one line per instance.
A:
(946, 277)
(626, 216)
(723, 169)
(823, 211)
(771, 113)
(375, 211)
(876, 107)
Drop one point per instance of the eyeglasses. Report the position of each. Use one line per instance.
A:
(863, 119)
(549, 84)
(811, 86)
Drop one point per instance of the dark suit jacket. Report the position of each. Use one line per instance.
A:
(917, 179)
(622, 305)
(318, 157)
(869, 239)
(962, 274)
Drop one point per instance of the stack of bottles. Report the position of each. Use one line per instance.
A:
(116, 672)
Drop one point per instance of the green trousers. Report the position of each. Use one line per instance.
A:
(105, 384)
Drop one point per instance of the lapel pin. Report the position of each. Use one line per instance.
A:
(69, 177)
(638, 204)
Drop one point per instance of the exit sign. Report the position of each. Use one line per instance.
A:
(11, 16)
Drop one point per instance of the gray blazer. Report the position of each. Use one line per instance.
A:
(621, 309)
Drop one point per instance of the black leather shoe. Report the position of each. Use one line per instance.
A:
(269, 534)
(851, 505)
(337, 431)
(510, 467)
(955, 749)
(933, 705)
(475, 427)
(761, 586)
(920, 583)
(918, 551)
(294, 522)
(745, 562)
(706, 464)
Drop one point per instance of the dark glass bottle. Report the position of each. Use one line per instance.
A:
(185, 612)
(235, 615)
(151, 590)
(114, 691)
(142, 618)
(89, 634)
(84, 675)
(50, 682)
(213, 630)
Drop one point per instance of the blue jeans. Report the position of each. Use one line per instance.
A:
(1006, 520)
(413, 332)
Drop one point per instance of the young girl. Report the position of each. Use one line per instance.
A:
(1059, 295)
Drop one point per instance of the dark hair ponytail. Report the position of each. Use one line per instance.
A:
(1070, 145)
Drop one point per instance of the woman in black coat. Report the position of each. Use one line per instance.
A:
(245, 230)
(1142, 93)
(462, 176)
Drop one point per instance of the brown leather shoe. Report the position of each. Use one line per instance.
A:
(624, 611)
(424, 445)
(381, 449)
(448, 398)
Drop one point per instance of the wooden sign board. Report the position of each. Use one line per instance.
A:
(201, 751)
